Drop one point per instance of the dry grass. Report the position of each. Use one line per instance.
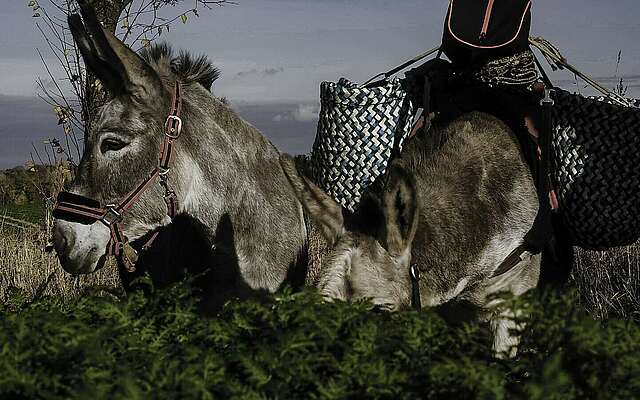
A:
(25, 266)
(609, 281)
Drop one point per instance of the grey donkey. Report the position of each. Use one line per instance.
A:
(226, 175)
(456, 215)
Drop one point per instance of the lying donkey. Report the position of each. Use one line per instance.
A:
(456, 215)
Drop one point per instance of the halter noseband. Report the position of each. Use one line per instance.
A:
(77, 208)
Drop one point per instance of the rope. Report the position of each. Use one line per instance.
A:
(519, 70)
(549, 51)
(557, 61)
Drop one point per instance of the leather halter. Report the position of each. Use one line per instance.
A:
(77, 208)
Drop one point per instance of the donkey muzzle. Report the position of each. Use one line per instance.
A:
(80, 248)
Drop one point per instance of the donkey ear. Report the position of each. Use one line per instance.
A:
(322, 209)
(400, 209)
(120, 69)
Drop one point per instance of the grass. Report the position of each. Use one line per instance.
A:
(25, 266)
(31, 212)
(609, 282)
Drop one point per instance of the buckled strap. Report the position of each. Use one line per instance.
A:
(117, 240)
(119, 247)
(94, 214)
(70, 205)
(173, 129)
(172, 204)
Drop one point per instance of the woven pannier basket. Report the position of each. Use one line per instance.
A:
(358, 131)
(596, 164)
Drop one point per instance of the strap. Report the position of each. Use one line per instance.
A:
(116, 243)
(173, 129)
(511, 261)
(402, 66)
(133, 196)
(63, 209)
(543, 73)
(414, 273)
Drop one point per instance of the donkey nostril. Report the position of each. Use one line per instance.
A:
(62, 242)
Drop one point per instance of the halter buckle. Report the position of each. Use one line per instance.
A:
(170, 131)
(111, 215)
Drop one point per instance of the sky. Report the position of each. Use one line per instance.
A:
(275, 53)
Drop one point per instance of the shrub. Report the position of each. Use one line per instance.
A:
(156, 345)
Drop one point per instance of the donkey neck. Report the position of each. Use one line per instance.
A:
(317, 249)
(230, 172)
(228, 158)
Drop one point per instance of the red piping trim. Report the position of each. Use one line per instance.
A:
(487, 18)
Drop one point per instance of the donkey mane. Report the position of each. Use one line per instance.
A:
(187, 67)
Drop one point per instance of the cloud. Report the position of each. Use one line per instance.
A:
(272, 71)
(306, 112)
(242, 74)
(264, 72)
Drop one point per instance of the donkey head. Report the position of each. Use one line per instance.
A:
(123, 141)
(371, 252)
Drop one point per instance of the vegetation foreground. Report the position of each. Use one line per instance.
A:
(69, 343)
(154, 344)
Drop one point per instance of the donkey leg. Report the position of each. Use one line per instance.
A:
(505, 337)
(520, 279)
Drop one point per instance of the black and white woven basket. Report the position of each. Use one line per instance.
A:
(359, 130)
(596, 157)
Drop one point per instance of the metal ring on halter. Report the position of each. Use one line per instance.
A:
(173, 133)
(111, 211)
(548, 100)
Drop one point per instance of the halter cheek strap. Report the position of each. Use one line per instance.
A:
(76, 208)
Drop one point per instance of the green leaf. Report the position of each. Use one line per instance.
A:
(184, 18)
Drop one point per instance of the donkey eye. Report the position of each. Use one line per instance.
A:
(112, 144)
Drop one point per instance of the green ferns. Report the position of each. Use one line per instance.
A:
(156, 345)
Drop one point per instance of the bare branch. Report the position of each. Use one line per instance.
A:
(74, 93)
